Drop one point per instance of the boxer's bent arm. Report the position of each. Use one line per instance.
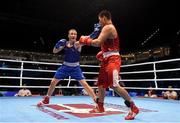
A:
(55, 50)
(79, 48)
(105, 33)
(95, 43)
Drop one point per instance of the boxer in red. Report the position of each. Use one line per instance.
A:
(110, 59)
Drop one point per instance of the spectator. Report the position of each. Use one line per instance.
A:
(170, 94)
(59, 92)
(24, 92)
(151, 93)
(84, 92)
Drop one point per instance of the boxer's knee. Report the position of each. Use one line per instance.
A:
(54, 82)
(83, 83)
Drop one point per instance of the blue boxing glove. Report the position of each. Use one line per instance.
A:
(61, 42)
(96, 32)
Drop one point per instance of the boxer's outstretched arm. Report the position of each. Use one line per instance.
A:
(105, 33)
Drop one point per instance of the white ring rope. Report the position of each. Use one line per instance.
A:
(147, 71)
(146, 63)
(154, 72)
(138, 88)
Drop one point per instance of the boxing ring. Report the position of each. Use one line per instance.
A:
(74, 109)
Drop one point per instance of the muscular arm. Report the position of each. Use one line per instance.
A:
(105, 33)
(108, 32)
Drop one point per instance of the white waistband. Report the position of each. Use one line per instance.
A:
(74, 64)
(110, 53)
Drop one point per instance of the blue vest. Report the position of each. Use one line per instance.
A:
(71, 54)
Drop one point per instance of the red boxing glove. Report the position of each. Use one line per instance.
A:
(86, 40)
(99, 56)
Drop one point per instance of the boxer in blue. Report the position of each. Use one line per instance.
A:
(70, 66)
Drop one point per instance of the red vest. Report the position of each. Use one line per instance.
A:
(110, 45)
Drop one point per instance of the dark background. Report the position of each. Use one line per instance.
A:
(36, 25)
